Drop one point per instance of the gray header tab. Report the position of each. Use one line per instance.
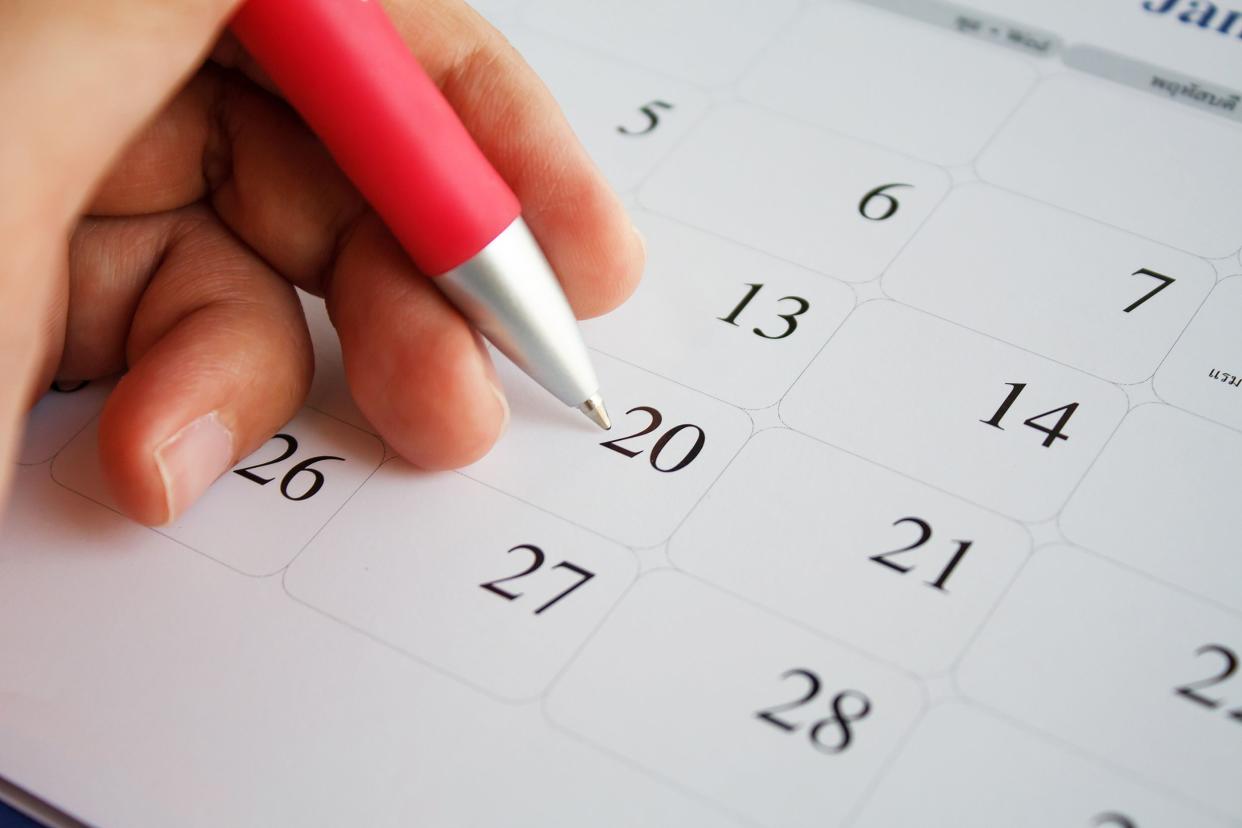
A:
(1200, 94)
(986, 27)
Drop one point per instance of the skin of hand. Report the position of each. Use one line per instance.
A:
(159, 202)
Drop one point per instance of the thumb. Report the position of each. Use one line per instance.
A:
(78, 78)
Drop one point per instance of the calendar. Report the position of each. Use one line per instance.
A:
(918, 509)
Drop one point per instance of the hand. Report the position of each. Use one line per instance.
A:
(157, 208)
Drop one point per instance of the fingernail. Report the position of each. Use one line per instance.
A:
(191, 460)
(504, 406)
(642, 240)
(493, 380)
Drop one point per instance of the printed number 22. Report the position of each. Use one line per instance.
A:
(1230, 666)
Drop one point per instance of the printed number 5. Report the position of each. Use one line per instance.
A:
(653, 119)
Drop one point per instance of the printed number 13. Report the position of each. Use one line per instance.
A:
(791, 319)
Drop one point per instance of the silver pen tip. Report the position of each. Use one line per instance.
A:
(594, 408)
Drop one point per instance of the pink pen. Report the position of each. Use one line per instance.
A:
(344, 67)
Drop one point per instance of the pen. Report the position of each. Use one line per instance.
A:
(345, 69)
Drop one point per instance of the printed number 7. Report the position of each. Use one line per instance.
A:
(1165, 281)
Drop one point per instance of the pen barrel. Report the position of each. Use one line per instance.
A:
(342, 65)
(512, 296)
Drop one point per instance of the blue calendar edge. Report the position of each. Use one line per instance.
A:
(12, 817)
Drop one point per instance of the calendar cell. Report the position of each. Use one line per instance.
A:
(968, 769)
(236, 705)
(1121, 666)
(719, 317)
(329, 391)
(1089, 146)
(761, 716)
(1203, 373)
(957, 91)
(962, 411)
(501, 603)
(829, 203)
(1139, 505)
(705, 41)
(838, 543)
(632, 484)
(627, 118)
(256, 517)
(60, 413)
(1082, 293)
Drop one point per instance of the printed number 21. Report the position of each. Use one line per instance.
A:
(925, 533)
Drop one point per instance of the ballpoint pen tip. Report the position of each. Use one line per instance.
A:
(594, 408)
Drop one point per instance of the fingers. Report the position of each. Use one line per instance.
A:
(165, 165)
(218, 355)
(416, 369)
(579, 221)
(273, 184)
(414, 366)
(80, 79)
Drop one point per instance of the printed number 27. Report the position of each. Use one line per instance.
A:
(537, 562)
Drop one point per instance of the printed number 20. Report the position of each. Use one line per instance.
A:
(662, 443)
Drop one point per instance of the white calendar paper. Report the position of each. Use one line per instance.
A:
(918, 508)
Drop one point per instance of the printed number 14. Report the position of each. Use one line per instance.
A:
(1054, 433)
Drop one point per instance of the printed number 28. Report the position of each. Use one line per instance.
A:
(821, 731)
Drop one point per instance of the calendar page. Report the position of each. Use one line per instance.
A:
(919, 507)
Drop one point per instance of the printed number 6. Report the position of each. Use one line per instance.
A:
(891, 203)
